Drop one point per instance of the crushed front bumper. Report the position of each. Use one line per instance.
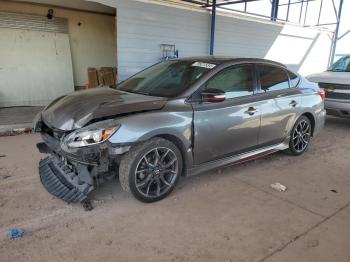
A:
(71, 174)
(61, 181)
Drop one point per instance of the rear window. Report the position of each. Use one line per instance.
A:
(294, 79)
(273, 78)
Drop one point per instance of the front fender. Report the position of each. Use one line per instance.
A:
(140, 127)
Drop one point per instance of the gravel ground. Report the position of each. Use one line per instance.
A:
(233, 216)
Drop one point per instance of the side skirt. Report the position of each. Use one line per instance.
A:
(237, 159)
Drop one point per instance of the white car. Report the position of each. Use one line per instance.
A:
(336, 84)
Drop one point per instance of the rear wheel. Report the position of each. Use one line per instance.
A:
(151, 169)
(300, 136)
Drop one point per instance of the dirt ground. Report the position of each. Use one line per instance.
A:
(234, 216)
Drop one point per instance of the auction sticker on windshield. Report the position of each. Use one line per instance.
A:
(205, 65)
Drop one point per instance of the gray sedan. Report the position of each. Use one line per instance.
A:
(176, 118)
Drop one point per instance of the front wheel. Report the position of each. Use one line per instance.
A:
(300, 136)
(151, 169)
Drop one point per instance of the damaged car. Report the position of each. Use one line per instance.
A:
(176, 118)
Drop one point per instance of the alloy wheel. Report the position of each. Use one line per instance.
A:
(156, 172)
(301, 136)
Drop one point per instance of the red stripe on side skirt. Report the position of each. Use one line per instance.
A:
(269, 152)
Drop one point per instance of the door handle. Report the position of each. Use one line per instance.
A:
(251, 111)
(293, 103)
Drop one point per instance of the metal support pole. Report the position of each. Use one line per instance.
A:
(335, 39)
(288, 7)
(212, 33)
(319, 14)
(307, 5)
(274, 10)
(301, 10)
(335, 10)
(347, 32)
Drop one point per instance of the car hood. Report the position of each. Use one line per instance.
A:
(330, 77)
(77, 109)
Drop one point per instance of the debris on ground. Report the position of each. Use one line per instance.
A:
(16, 131)
(97, 202)
(5, 177)
(16, 233)
(278, 187)
(313, 243)
(87, 205)
(334, 191)
(22, 130)
(2, 155)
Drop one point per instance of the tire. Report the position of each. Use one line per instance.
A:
(300, 136)
(151, 170)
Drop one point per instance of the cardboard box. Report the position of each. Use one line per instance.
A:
(93, 77)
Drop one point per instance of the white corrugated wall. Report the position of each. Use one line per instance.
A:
(143, 25)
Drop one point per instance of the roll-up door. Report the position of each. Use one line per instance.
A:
(35, 59)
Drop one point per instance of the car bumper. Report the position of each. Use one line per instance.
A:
(71, 174)
(61, 181)
(340, 108)
(320, 121)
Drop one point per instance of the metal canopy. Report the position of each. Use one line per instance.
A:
(229, 5)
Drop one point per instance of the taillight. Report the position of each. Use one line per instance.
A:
(322, 94)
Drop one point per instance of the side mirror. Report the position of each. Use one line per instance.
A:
(213, 95)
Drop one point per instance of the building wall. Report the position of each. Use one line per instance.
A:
(144, 25)
(142, 28)
(306, 50)
(92, 43)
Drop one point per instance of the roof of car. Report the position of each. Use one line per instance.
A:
(224, 59)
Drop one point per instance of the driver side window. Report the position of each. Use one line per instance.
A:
(235, 81)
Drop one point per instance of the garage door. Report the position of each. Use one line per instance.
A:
(35, 64)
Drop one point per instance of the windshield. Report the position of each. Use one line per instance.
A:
(342, 65)
(165, 79)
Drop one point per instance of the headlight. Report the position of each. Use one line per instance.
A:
(89, 137)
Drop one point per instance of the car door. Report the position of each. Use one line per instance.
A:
(281, 103)
(230, 126)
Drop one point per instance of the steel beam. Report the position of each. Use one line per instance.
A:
(319, 13)
(335, 39)
(298, 2)
(307, 5)
(203, 4)
(288, 7)
(335, 11)
(274, 10)
(347, 32)
(301, 10)
(233, 2)
(212, 33)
